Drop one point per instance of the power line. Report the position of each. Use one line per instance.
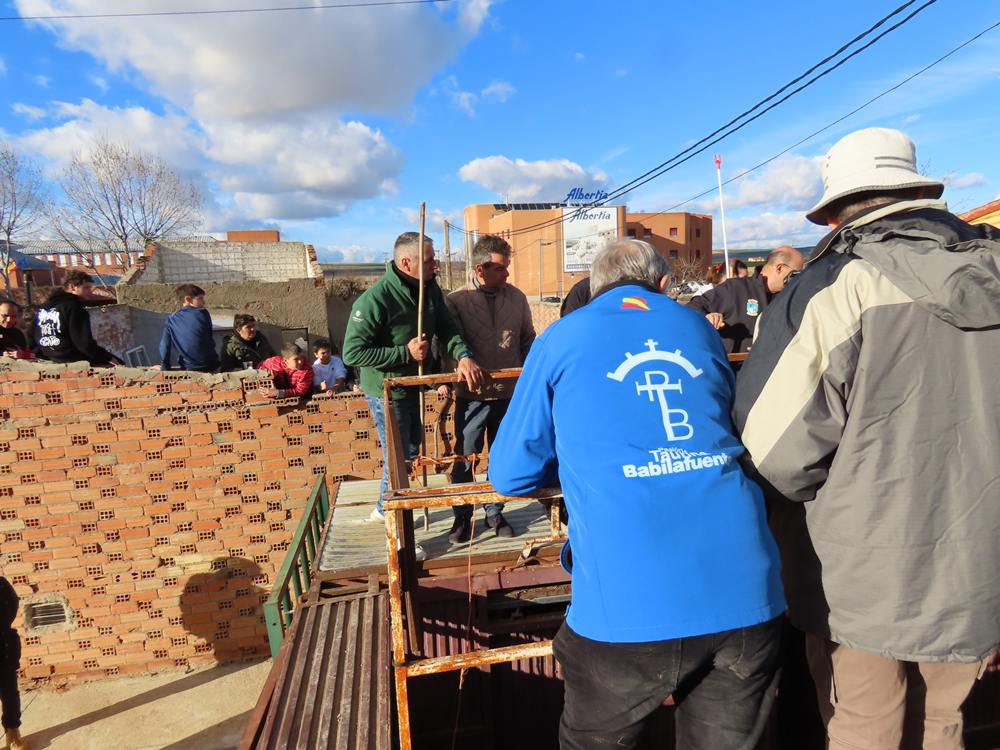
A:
(693, 150)
(221, 11)
(829, 125)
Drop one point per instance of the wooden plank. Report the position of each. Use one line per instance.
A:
(346, 707)
(330, 689)
(316, 676)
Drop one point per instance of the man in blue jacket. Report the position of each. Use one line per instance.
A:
(676, 585)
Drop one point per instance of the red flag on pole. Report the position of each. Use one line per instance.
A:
(718, 161)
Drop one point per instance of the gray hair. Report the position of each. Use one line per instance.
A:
(487, 246)
(407, 246)
(626, 259)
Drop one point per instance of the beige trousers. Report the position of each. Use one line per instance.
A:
(871, 702)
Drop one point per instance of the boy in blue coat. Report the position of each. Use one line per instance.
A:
(676, 585)
(188, 332)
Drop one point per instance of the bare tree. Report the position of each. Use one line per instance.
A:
(23, 202)
(118, 200)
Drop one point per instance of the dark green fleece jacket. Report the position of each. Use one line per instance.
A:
(384, 319)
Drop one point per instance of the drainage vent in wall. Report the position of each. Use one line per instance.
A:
(49, 613)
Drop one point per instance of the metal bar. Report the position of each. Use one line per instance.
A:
(275, 626)
(482, 658)
(392, 525)
(448, 377)
(480, 498)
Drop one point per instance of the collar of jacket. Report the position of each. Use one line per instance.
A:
(629, 282)
(867, 216)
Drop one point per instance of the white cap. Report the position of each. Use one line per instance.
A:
(873, 159)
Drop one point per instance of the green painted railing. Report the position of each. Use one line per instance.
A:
(293, 579)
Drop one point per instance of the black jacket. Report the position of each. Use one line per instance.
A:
(11, 339)
(741, 301)
(579, 295)
(63, 331)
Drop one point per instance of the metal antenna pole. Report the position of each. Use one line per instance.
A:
(722, 212)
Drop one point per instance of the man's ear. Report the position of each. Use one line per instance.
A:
(664, 282)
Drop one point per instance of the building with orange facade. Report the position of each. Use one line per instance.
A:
(553, 243)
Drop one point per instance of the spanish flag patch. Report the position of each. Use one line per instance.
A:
(634, 303)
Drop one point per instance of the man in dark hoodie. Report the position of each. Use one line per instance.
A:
(63, 325)
(870, 411)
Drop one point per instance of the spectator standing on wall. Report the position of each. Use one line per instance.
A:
(13, 342)
(495, 320)
(188, 332)
(246, 348)
(63, 325)
(381, 339)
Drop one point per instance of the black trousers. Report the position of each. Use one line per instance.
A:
(723, 685)
(10, 660)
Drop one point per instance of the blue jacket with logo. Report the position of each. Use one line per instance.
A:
(628, 400)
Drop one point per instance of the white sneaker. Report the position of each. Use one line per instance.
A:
(419, 553)
(377, 516)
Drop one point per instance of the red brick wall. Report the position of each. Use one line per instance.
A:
(159, 506)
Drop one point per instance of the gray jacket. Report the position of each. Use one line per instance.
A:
(870, 406)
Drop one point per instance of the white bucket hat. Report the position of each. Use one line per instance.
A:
(870, 159)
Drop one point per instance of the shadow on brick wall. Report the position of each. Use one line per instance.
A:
(222, 612)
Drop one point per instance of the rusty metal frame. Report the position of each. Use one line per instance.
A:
(398, 506)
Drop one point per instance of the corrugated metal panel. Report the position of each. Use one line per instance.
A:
(333, 690)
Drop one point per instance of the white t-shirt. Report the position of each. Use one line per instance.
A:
(329, 373)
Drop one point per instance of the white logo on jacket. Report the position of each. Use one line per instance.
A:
(49, 328)
(657, 383)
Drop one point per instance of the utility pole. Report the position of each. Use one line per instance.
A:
(539, 269)
(447, 255)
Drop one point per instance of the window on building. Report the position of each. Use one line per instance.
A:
(631, 233)
(697, 254)
(673, 255)
(673, 231)
(108, 259)
(697, 232)
(647, 233)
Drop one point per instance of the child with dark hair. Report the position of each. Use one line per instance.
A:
(329, 372)
(188, 332)
(10, 660)
(247, 348)
(292, 374)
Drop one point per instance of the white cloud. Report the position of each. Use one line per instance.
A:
(168, 136)
(264, 133)
(956, 181)
(27, 111)
(100, 82)
(216, 68)
(434, 219)
(349, 254)
(42, 81)
(792, 181)
(466, 101)
(304, 169)
(520, 180)
(767, 230)
(498, 91)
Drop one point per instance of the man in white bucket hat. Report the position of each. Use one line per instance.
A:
(870, 410)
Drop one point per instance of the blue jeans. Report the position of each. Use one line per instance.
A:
(410, 426)
(723, 685)
(474, 421)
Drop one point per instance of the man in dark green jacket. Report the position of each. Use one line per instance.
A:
(381, 339)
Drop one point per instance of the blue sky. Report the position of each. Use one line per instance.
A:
(333, 125)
